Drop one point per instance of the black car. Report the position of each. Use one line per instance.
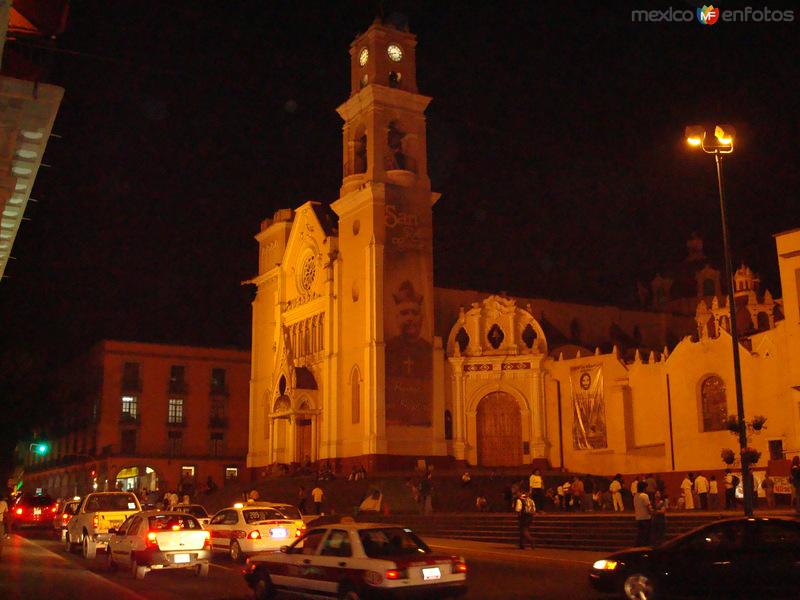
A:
(754, 557)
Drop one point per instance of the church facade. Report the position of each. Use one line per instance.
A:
(358, 359)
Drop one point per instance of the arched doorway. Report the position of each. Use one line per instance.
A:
(499, 430)
(136, 478)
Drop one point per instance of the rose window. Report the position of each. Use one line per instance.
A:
(307, 273)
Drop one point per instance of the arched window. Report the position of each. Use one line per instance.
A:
(448, 425)
(462, 339)
(713, 403)
(355, 406)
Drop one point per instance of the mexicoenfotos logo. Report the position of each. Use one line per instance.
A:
(707, 15)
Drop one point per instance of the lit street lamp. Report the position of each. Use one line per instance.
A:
(723, 144)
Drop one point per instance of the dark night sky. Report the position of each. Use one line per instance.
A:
(555, 137)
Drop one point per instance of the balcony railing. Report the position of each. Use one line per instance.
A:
(129, 419)
(219, 389)
(217, 422)
(177, 387)
(131, 384)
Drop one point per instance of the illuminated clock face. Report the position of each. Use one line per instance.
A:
(395, 53)
(363, 57)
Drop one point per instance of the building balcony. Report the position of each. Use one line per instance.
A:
(129, 419)
(217, 422)
(131, 384)
(177, 387)
(219, 389)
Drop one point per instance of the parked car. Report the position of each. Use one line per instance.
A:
(99, 512)
(159, 540)
(33, 511)
(66, 511)
(358, 560)
(196, 510)
(742, 557)
(244, 529)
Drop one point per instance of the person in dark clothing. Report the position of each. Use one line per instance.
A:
(525, 508)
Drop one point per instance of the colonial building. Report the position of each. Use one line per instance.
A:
(358, 358)
(150, 416)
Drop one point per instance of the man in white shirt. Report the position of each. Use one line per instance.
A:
(536, 485)
(686, 488)
(316, 497)
(616, 493)
(713, 493)
(642, 510)
(701, 487)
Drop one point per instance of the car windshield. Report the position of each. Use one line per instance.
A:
(261, 514)
(111, 502)
(288, 511)
(37, 500)
(172, 522)
(195, 510)
(391, 541)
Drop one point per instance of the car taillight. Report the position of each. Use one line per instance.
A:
(255, 535)
(207, 541)
(458, 567)
(96, 522)
(396, 574)
(18, 511)
(151, 542)
(299, 532)
(54, 509)
(65, 517)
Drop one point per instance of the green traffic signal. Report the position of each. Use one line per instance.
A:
(40, 448)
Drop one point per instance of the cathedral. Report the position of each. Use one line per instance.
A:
(359, 359)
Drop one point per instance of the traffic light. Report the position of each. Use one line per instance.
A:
(40, 448)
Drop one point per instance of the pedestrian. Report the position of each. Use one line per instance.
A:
(567, 495)
(560, 497)
(525, 507)
(3, 512)
(316, 496)
(701, 485)
(466, 478)
(729, 490)
(578, 492)
(588, 494)
(536, 484)
(658, 524)
(426, 493)
(768, 485)
(642, 510)
(650, 480)
(687, 488)
(795, 479)
(713, 493)
(301, 499)
(481, 503)
(253, 495)
(616, 493)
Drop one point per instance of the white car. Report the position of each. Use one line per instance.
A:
(156, 539)
(196, 510)
(355, 561)
(245, 529)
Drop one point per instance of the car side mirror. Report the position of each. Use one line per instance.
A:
(112, 530)
(285, 549)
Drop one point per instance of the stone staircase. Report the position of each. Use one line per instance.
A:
(581, 531)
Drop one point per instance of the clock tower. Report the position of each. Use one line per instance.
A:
(385, 237)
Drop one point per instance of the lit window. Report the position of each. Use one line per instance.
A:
(175, 410)
(714, 404)
(130, 408)
(231, 473)
(187, 471)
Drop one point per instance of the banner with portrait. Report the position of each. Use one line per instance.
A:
(408, 313)
(588, 408)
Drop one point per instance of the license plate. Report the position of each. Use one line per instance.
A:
(37, 511)
(180, 558)
(278, 532)
(431, 573)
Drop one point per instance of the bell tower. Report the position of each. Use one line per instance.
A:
(384, 130)
(386, 254)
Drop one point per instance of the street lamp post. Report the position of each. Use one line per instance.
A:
(723, 144)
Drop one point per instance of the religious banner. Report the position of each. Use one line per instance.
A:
(588, 408)
(408, 313)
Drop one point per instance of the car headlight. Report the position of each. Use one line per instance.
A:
(605, 565)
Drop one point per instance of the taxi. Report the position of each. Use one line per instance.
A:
(64, 515)
(159, 540)
(358, 561)
(245, 529)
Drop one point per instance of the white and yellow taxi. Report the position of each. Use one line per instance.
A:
(245, 529)
(358, 561)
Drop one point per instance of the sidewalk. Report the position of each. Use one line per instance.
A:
(505, 552)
